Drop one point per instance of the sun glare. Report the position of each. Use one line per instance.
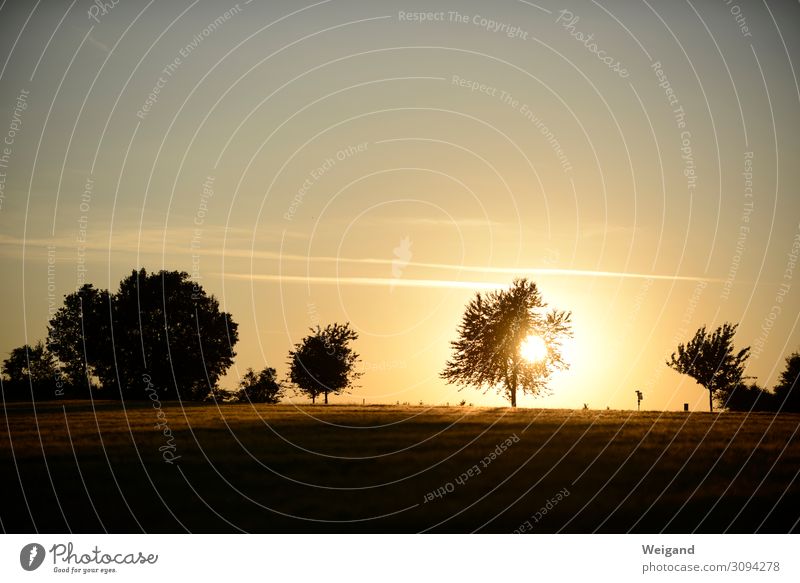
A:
(533, 349)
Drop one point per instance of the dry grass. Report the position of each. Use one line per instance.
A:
(85, 467)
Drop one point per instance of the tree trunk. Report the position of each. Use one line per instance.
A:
(514, 383)
(710, 401)
(313, 399)
(326, 397)
(513, 389)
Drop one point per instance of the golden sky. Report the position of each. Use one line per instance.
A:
(379, 162)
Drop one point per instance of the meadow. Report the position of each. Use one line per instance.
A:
(93, 467)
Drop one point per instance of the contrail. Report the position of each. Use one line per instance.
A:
(366, 281)
(440, 283)
(239, 252)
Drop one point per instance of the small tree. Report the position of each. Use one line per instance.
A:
(261, 387)
(787, 391)
(323, 362)
(711, 360)
(30, 370)
(488, 353)
(743, 397)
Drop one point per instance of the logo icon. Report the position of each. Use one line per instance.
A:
(402, 257)
(31, 556)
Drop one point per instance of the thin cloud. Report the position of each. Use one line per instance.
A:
(448, 283)
(150, 242)
(365, 281)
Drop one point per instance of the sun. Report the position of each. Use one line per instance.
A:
(533, 348)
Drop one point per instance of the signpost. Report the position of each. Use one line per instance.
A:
(639, 398)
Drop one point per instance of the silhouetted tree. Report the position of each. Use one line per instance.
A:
(487, 352)
(159, 326)
(742, 397)
(79, 336)
(167, 327)
(787, 391)
(261, 387)
(30, 372)
(710, 359)
(323, 362)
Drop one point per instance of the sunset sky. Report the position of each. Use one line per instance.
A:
(350, 161)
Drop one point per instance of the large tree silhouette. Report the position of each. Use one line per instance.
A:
(493, 328)
(711, 360)
(787, 391)
(323, 362)
(158, 331)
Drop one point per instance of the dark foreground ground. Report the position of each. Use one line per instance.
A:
(80, 467)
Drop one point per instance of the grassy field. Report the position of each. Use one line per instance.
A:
(83, 467)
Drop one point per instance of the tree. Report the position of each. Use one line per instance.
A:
(742, 397)
(160, 326)
(167, 327)
(493, 329)
(323, 362)
(711, 360)
(261, 387)
(78, 335)
(787, 391)
(31, 370)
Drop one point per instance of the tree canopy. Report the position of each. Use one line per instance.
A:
(30, 372)
(711, 360)
(159, 325)
(260, 387)
(487, 354)
(324, 362)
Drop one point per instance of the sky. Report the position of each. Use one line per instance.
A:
(380, 162)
